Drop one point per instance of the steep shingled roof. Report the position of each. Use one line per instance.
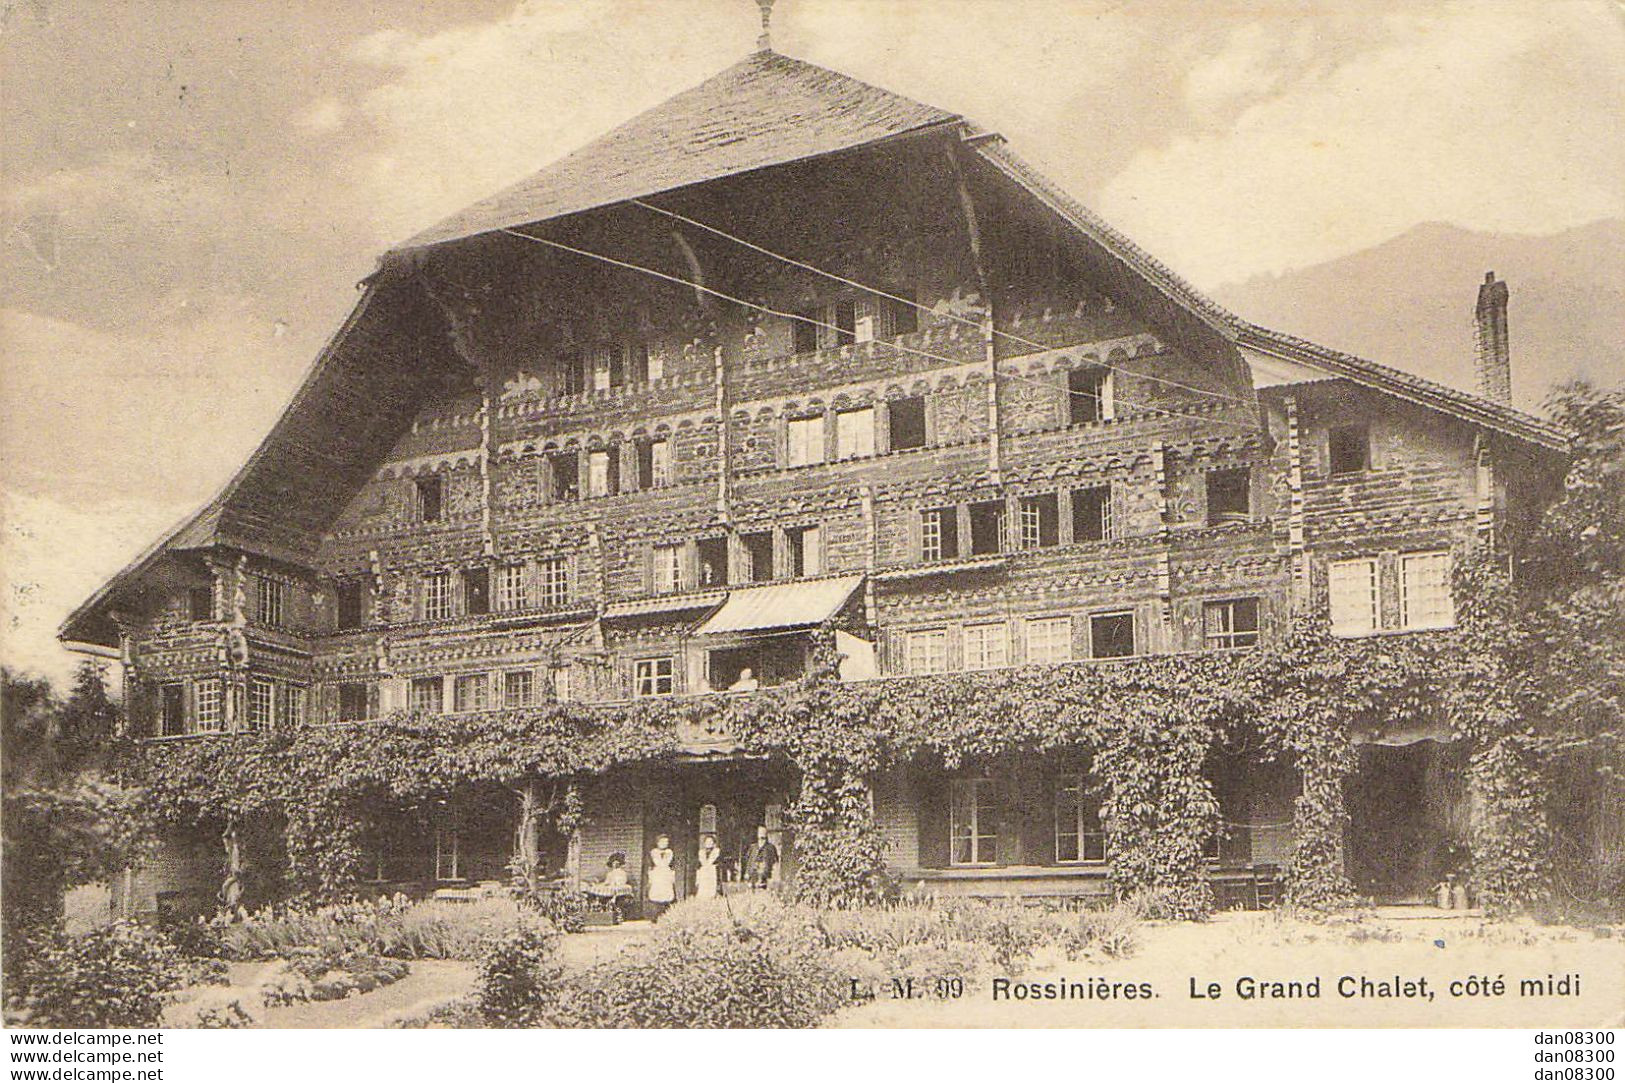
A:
(766, 110)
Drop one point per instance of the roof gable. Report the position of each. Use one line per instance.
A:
(766, 110)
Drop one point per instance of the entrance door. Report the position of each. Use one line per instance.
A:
(1393, 844)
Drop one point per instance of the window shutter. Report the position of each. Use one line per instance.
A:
(932, 791)
(1012, 820)
(1038, 832)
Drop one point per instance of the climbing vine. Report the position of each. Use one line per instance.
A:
(1146, 726)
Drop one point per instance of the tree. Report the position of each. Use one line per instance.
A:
(1572, 645)
(63, 824)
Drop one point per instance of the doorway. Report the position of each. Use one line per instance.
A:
(1396, 839)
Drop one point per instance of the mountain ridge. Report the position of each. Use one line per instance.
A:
(1408, 303)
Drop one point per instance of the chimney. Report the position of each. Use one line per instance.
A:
(1494, 360)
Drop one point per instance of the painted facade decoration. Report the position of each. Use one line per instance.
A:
(644, 425)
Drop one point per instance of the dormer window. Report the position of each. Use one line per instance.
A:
(1089, 395)
(1348, 449)
(804, 331)
(431, 499)
(844, 315)
(200, 603)
(1228, 496)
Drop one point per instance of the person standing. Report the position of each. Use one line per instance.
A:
(705, 871)
(662, 891)
(761, 860)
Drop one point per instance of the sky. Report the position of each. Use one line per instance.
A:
(189, 192)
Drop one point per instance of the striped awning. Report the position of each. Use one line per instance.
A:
(670, 603)
(782, 605)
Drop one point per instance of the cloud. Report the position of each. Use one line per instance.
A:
(472, 109)
(324, 115)
(167, 408)
(1497, 119)
(57, 555)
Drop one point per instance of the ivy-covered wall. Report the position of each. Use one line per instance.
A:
(1148, 725)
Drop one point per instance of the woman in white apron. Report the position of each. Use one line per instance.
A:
(705, 872)
(662, 878)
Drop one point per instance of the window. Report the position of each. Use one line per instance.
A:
(447, 865)
(905, 423)
(867, 316)
(291, 707)
(431, 493)
(1092, 513)
(1228, 499)
(804, 549)
(1079, 836)
(1089, 395)
(554, 574)
(758, 549)
(844, 315)
(561, 684)
(804, 331)
(261, 699)
(518, 688)
(355, 702)
(713, 561)
(608, 368)
(350, 598)
(207, 701)
(939, 534)
(172, 717)
(973, 832)
(437, 596)
(668, 569)
(986, 645)
(512, 592)
(471, 692)
(926, 651)
(603, 472)
(654, 464)
(476, 591)
(1352, 589)
(565, 467)
(637, 363)
(270, 601)
(855, 433)
(1049, 640)
(200, 603)
(653, 677)
(1230, 624)
(806, 441)
(905, 315)
(1424, 591)
(1111, 635)
(1348, 449)
(571, 373)
(987, 529)
(1040, 521)
(428, 694)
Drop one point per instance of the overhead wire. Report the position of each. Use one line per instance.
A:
(769, 310)
(899, 299)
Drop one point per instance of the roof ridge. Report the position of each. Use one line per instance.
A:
(765, 109)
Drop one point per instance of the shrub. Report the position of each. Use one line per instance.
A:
(221, 1009)
(113, 977)
(566, 909)
(391, 927)
(692, 977)
(1111, 933)
(518, 976)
